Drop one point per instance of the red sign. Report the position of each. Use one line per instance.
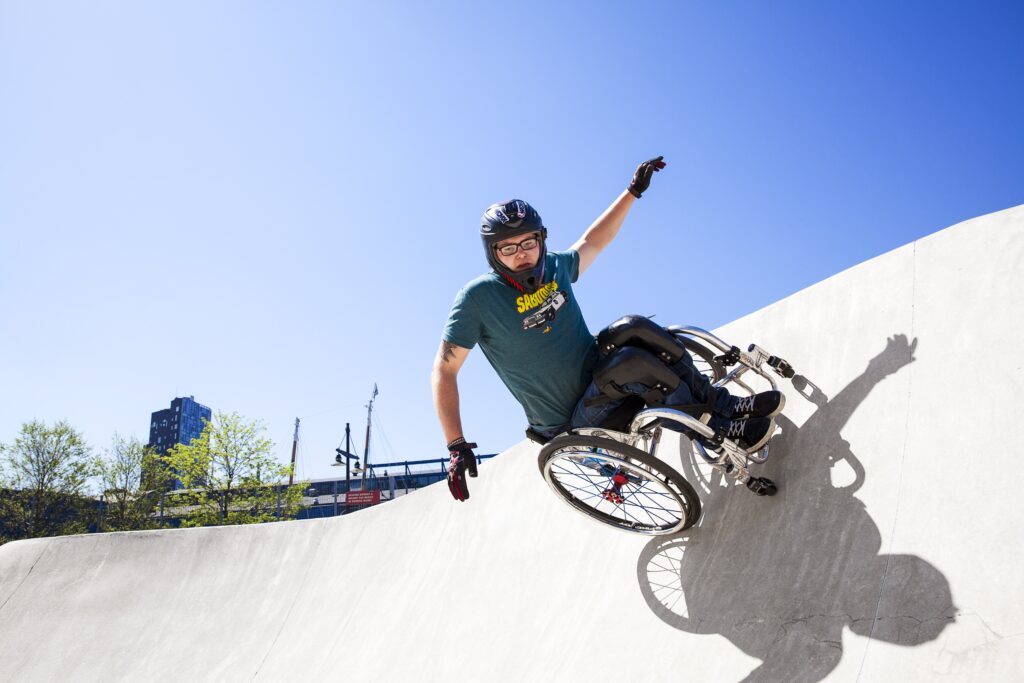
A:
(362, 497)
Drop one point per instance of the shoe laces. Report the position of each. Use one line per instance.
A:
(736, 428)
(744, 405)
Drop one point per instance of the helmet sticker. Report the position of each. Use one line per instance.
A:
(499, 214)
(520, 208)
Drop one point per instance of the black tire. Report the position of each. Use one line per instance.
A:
(703, 358)
(658, 500)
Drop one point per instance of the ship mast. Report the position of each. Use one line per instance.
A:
(366, 445)
(295, 445)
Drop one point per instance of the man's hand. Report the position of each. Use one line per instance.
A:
(462, 460)
(642, 177)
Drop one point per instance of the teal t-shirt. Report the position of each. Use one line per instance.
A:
(538, 343)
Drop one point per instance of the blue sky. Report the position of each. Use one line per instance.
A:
(270, 206)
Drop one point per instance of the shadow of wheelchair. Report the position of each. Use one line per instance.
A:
(781, 578)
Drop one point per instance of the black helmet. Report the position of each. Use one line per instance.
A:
(509, 219)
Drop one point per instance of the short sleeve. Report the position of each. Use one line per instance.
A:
(570, 261)
(463, 326)
(574, 265)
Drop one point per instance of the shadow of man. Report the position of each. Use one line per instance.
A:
(781, 577)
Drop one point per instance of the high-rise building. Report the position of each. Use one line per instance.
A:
(180, 423)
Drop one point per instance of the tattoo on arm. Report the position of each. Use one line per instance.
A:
(447, 351)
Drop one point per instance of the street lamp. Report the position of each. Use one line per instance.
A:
(348, 457)
(99, 513)
(311, 491)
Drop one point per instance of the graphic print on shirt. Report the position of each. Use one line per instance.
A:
(548, 310)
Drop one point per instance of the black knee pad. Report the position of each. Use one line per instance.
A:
(632, 364)
(641, 332)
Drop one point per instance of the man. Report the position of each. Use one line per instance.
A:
(525, 317)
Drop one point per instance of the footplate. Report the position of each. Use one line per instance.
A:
(780, 365)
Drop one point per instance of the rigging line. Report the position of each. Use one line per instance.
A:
(387, 442)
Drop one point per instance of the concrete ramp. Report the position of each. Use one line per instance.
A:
(893, 551)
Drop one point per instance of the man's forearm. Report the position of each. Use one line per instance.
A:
(603, 230)
(446, 403)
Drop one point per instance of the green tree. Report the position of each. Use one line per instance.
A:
(45, 474)
(230, 476)
(130, 499)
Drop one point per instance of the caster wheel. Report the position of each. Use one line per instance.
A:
(762, 486)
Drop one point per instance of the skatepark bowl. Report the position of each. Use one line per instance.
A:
(889, 553)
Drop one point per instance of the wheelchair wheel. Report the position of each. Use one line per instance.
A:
(619, 485)
(703, 358)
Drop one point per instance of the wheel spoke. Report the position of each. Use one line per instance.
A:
(654, 503)
(670, 516)
(589, 495)
(655, 519)
(639, 496)
(625, 514)
(586, 477)
(584, 474)
(646, 494)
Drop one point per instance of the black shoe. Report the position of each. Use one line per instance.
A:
(765, 404)
(751, 434)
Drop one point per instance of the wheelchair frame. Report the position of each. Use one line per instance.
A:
(645, 430)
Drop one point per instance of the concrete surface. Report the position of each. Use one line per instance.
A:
(891, 552)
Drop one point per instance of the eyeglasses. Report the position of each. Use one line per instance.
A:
(525, 245)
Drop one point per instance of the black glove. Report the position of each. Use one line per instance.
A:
(462, 460)
(642, 177)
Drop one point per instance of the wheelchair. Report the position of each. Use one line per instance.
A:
(614, 477)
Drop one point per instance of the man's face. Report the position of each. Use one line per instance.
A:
(523, 259)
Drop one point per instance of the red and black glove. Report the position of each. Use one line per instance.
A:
(642, 177)
(462, 461)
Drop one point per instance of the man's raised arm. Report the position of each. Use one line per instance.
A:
(602, 231)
